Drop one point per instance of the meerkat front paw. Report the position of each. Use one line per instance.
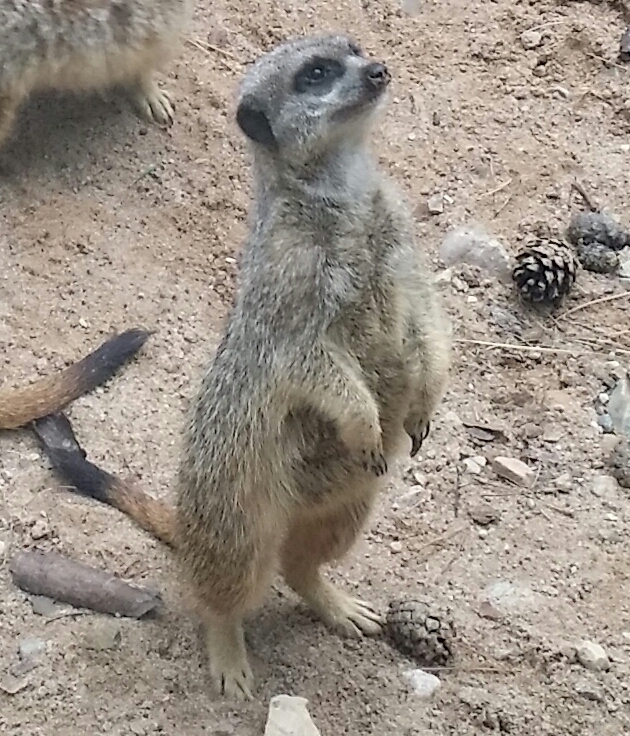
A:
(363, 439)
(155, 104)
(418, 431)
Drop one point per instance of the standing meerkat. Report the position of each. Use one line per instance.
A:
(336, 349)
(82, 45)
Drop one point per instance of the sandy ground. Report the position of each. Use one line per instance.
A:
(107, 223)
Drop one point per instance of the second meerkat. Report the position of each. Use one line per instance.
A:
(335, 350)
(82, 45)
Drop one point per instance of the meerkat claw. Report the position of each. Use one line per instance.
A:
(417, 440)
(156, 105)
(376, 464)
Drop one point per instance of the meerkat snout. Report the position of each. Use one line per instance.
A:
(377, 76)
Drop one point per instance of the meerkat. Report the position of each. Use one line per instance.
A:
(53, 393)
(335, 353)
(88, 45)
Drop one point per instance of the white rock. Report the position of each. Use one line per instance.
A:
(436, 204)
(472, 245)
(3, 548)
(592, 656)
(531, 39)
(288, 716)
(423, 684)
(604, 485)
(472, 466)
(515, 470)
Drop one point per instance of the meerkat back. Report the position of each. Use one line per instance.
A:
(83, 45)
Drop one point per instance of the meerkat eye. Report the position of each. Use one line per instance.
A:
(355, 49)
(318, 74)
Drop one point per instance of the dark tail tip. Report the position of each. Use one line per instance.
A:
(113, 353)
(68, 458)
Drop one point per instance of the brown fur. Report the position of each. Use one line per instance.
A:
(83, 45)
(52, 393)
(336, 351)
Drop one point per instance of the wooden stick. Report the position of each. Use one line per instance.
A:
(592, 303)
(58, 577)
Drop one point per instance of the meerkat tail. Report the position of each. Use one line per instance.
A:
(53, 393)
(69, 459)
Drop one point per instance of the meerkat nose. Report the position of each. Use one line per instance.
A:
(377, 75)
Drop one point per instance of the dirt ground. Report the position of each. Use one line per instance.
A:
(107, 223)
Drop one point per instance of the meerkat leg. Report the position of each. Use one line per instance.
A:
(312, 542)
(153, 103)
(9, 105)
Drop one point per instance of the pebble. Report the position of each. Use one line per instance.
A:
(436, 204)
(3, 548)
(564, 483)
(508, 597)
(40, 529)
(589, 690)
(619, 407)
(472, 466)
(288, 716)
(597, 227)
(31, 648)
(103, 635)
(604, 485)
(514, 470)
(44, 606)
(531, 40)
(606, 423)
(483, 514)
(472, 245)
(423, 684)
(592, 656)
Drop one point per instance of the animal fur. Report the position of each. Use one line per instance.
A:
(88, 45)
(335, 353)
(19, 407)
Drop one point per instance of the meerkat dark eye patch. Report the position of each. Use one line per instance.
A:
(318, 75)
(255, 124)
(355, 49)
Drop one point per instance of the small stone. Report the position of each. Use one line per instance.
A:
(288, 716)
(589, 690)
(423, 684)
(472, 466)
(531, 40)
(564, 483)
(606, 423)
(619, 407)
(40, 529)
(103, 635)
(12, 685)
(592, 656)
(487, 610)
(396, 547)
(32, 648)
(559, 400)
(514, 470)
(44, 606)
(483, 514)
(436, 204)
(509, 597)
(604, 486)
(475, 247)
(3, 549)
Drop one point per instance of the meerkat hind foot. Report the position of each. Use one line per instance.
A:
(229, 666)
(154, 104)
(349, 616)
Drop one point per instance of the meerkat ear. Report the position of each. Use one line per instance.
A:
(255, 124)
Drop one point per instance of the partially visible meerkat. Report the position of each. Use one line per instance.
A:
(336, 349)
(51, 394)
(88, 45)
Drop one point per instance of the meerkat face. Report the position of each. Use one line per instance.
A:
(305, 94)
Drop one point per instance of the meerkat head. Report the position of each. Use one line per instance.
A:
(300, 98)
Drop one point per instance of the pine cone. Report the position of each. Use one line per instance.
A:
(597, 257)
(545, 271)
(420, 632)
